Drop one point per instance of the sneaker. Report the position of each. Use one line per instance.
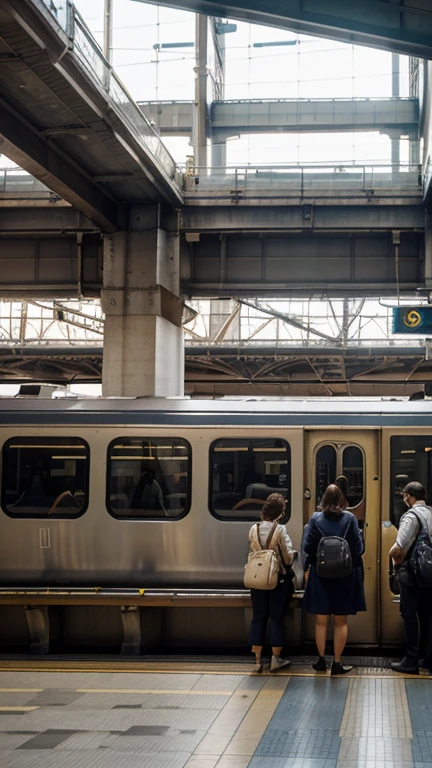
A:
(320, 665)
(407, 666)
(340, 669)
(277, 662)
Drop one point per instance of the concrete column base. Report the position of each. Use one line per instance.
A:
(143, 337)
(143, 357)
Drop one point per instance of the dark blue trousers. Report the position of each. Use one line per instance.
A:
(270, 605)
(416, 609)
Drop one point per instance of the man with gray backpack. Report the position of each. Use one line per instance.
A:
(412, 555)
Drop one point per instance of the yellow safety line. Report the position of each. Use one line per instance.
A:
(197, 670)
(153, 690)
(17, 709)
(21, 690)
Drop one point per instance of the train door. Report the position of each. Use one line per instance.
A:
(353, 456)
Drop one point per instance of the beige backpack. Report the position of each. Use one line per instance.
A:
(262, 567)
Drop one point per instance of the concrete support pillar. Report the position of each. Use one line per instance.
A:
(200, 107)
(395, 139)
(428, 250)
(218, 154)
(143, 340)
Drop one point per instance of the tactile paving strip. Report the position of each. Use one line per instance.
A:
(419, 697)
(307, 721)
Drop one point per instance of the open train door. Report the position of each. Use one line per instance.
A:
(353, 454)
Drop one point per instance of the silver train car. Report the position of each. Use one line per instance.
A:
(162, 493)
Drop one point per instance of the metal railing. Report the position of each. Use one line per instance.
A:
(90, 55)
(62, 10)
(305, 178)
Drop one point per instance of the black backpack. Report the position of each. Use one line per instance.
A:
(333, 557)
(420, 559)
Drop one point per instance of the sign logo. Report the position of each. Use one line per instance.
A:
(412, 319)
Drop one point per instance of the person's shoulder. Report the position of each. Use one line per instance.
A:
(349, 515)
(315, 520)
(281, 527)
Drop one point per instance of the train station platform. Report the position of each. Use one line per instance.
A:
(210, 715)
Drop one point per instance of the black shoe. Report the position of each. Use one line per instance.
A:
(320, 665)
(407, 666)
(339, 669)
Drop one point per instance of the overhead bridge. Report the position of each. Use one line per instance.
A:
(404, 27)
(66, 118)
(227, 118)
(251, 232)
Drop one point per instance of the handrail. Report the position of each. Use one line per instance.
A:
(88, 52)
(303, 179)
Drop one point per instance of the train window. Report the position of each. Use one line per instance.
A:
(343, 465)
(325, 470)
(352, 470)
(45, 477)
(243, 472)
(149, 477)
(410, 459)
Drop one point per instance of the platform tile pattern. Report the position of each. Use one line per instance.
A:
(208, 720)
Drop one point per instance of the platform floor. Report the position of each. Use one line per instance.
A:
(170, 715)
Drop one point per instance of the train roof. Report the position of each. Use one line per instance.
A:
(186, 412)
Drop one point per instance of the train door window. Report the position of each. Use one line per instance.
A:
(342, 464)
(243, 472)
(325, 469)
(149, 478)
(45, 477)
(352, 471)
(410, 459)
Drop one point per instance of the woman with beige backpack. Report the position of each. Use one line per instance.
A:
(269, 577)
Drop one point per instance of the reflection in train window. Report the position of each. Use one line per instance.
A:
(343, 465)
(410, 458)
(45, 477)
(149, 477)
(352, 471)
(243, 472)
(325, 470)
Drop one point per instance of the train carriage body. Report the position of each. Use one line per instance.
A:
(123, 493)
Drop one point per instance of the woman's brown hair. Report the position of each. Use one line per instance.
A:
(274, 507)
(333, 502)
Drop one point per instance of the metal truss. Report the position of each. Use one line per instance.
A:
(233, 347)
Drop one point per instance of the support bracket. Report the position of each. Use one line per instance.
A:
(131, 621)
(38, 624)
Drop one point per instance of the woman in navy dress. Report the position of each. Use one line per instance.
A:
(333, 597)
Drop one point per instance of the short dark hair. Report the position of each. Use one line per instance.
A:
(415, 489)
(274, 506)
(333, 501)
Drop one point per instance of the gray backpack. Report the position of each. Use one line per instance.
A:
(333, 557)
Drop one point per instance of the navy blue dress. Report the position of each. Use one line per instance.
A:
(334, 596)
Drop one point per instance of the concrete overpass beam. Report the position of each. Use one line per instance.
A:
(29, 149)
(391, 26)
(143, 341)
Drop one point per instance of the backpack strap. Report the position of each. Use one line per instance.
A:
(344, 534)
(269, 537)
(424, 528)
